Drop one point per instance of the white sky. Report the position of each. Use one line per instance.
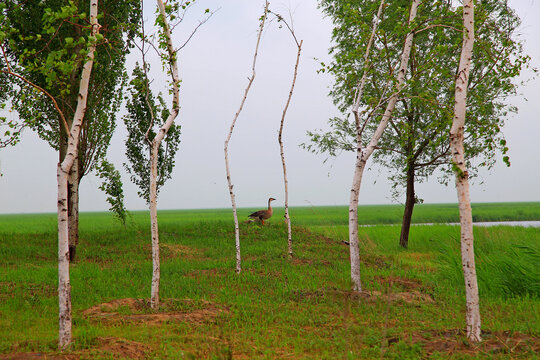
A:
(214, 69)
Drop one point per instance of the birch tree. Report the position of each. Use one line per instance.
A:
(73, 129)
(50, 35)
(359, 167)
(280, 134)
(172, 65)
(462, 182)
(415, 145)
(364, 152)
(64, 287)
(145, 113)
(228, 139)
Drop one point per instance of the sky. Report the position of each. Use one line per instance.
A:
(214, 67)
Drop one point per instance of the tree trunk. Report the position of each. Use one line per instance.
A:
(282, 152)
(73, 209)
(409, 207)
(462, 176)
(228, 139)
(154, 297)
(155, 143)
(362, 155)
(64, 168)
(64, 287)
(353, 221)
(359, 165)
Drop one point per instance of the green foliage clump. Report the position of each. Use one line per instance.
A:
(112, 186)
(46, 42)
(145, 114)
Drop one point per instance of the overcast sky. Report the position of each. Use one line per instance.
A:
(214, 68)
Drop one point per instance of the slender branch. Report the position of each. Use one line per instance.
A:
(13, 138)
(5, 56)
(382, 100)
(290, 27)
(360, 87)
(37, 87)
(146, 82)
(280, 141)
(201, 23)
(437, 25)
(397, 151)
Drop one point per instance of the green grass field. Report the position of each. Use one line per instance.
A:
(412, 306)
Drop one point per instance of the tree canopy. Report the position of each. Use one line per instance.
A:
(418, 132)
(47, 44)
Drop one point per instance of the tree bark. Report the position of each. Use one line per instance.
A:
(410, 200)
(228, 139)
(64, 287)
(154, 295)
(72, 192)
(73, 209)
(362, 155)
(63, 170)
(353, 221)
(462, 181)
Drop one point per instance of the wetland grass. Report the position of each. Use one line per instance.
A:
(413, 306)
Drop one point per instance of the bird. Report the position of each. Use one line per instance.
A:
(263, 214)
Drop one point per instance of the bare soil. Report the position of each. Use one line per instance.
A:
(139, 311)
(409, 297)
(129, 310)
(108, 347)
(455, 342)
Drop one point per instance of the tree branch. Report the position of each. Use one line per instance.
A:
(39, 88)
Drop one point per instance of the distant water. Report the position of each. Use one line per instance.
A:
(495, 223)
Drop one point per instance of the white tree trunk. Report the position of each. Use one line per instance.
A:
(173, 64)
(362, 155)
(73, 209)
(359, 166)
(228, 139)
(462, 176)
(154, 295)
(64, 288)
(282, 152)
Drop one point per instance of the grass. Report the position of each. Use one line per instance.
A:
(307, 216)
(276, 308)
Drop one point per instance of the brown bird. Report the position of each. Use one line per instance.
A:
(263, 214)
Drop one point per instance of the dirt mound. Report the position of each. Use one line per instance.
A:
(139, 311)
(172, 251)
(120, 348)
(395, 281)
(455, 342)
(37, 356)
(409, 297)
(108, 347)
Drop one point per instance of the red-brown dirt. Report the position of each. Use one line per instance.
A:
(138, 310)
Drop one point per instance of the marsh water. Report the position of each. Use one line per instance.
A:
(495, 223)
